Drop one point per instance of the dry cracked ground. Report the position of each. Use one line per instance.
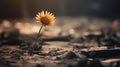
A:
(71, 42)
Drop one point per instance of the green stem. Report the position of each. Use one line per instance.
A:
(37, 38)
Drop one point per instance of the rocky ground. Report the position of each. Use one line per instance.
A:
(71, 42)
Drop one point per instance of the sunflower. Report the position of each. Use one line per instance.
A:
(45, 18)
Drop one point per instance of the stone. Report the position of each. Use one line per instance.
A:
(70, 55)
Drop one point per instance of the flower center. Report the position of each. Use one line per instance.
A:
(45, 20)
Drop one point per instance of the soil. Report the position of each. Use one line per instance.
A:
(71, 42)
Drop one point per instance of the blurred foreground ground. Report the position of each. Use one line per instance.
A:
(71, 42)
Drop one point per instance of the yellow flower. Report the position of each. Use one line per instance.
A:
(45, 18)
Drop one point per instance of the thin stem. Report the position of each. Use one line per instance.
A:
(39, 33)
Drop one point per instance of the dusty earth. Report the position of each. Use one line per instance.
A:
(71, 42)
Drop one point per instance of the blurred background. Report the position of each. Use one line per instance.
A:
(108, 9)
(89, 29)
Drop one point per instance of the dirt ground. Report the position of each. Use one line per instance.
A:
(71, 42)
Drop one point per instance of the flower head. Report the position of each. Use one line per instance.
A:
(45, 18)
